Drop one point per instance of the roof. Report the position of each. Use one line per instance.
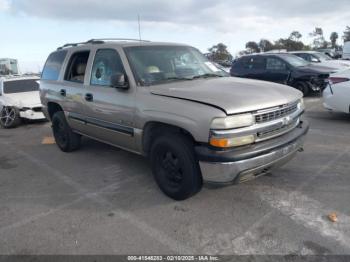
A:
(116, 41)
(269, 54)
(304, 52)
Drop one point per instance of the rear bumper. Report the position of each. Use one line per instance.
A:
(248, 162)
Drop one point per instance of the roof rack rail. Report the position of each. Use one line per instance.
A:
(97, 40)
(100, 41)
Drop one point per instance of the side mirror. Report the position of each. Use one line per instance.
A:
(315, 60)
(119, 81)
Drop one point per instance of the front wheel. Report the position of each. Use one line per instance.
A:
(9, 117)
(303, 87)
(65, 138)
(175, 167)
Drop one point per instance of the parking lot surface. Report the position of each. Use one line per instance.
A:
(103, 200)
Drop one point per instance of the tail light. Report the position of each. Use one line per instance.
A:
(337, 80)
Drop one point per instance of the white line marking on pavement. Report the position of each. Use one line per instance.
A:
(301, 209)
(54, 210)
(156, 234)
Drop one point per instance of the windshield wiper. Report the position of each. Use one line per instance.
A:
(177, 78)
(206, 76)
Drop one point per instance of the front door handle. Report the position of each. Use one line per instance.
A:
(89, 97)
(63, 92)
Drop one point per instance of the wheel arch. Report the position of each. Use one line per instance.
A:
(153, 129)
(52, 108)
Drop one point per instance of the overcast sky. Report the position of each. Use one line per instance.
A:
(31, 29)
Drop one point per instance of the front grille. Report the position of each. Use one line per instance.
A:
(37, 109)
(262, 135)
(277, 113)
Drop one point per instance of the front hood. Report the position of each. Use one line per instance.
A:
(25, 99)
(316, 69)
(339, 64)
(230, 94)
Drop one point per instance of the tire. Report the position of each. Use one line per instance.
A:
(175, 167)
(9, 117)
(65, 138)
(303, 87)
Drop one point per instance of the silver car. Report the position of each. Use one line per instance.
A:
(168, 102)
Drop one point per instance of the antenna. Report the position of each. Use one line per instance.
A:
(138, 19)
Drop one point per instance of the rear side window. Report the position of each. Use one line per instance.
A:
(243, 62)
(76, 68)
(20, 86)
(258, 62)
(304, 56)
(53, 65)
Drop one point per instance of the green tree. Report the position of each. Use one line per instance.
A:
(346, 35)
(289, 44)
(318, 41)
(252, 47)
(219, 52)
(295, 36)
(265, 45)
(334, 37)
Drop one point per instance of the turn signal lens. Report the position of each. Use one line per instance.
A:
(232, 142)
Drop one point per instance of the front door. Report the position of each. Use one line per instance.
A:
(276, 70)
(109, 111)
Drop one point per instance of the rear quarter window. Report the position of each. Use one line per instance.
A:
(53, 65)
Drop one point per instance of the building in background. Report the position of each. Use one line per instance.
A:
(8, 66)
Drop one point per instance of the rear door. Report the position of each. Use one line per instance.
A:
(73, 89)
(109, 111)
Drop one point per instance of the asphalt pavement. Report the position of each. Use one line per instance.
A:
(103, 200)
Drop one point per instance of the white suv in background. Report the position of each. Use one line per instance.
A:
(336, 96)
(19, 99)
(346, 51)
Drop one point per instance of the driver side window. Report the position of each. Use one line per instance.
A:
(106, 64)
(275, 64)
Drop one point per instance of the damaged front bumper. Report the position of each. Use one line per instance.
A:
(34, 113)
(241, 164)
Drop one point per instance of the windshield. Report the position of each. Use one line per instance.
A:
(158, 64)
(295, 60)
(322, 56)
(19, 86)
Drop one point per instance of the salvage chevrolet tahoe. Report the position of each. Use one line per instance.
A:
(169, 103)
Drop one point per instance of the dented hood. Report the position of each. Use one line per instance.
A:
(230, 94)
(25, 99)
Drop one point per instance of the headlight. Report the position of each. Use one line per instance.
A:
(233, 121)
(301, 105)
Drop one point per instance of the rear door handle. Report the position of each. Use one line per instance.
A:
(63, 92)
(89, 97)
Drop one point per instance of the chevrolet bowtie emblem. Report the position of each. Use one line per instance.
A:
(286, 120)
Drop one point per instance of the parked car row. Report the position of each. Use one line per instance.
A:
(171, 104)
(283, 68)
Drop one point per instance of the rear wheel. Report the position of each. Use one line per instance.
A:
(303, 87)
(9, 117)
(65, 138)
(175, 167)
